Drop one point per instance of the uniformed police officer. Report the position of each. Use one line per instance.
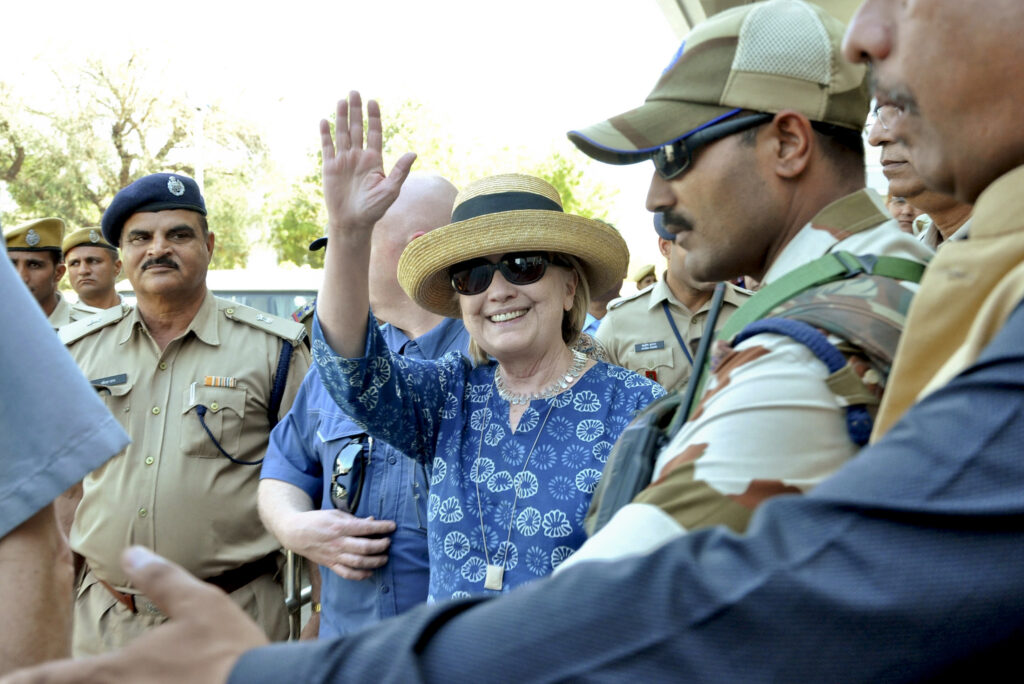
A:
(644, 276)
(656, 330)
(197, 382)
(35, 250)
(93, 266)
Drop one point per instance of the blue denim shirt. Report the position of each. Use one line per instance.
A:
(301, 452)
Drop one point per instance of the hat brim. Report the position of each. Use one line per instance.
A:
(423, 266)
(34, 249)
(630, 137)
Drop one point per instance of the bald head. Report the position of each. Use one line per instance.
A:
(425, 203)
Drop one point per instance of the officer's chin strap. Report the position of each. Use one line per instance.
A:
(858, 420)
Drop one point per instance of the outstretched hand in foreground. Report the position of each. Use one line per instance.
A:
(205, 636)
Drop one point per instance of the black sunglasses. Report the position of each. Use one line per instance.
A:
(349, 470)
(673, 159)
(519, 268)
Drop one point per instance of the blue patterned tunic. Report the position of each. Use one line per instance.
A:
(534, 484)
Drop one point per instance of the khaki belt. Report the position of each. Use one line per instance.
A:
(230, 582)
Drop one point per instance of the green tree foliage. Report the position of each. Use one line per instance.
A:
(300, 220)
(110, 124)
(579, 196)
(230, 212)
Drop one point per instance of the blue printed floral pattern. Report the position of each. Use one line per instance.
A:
(531, 484)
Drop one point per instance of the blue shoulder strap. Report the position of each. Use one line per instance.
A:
(858, 420)
(280, 379)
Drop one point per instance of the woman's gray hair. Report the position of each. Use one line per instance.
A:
(573, 320)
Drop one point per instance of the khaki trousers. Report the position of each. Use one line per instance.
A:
(102, 623)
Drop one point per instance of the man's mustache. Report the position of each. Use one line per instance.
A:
(159, 261)
(676, 223)
(897, 95)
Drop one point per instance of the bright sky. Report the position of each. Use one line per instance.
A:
(515, 73)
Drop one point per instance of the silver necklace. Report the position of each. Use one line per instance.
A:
(579, 359)
(495, 575)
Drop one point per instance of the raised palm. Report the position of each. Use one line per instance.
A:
(356, 191)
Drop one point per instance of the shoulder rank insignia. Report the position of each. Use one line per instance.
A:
(304, 312)
(275, 325)
(76, 330)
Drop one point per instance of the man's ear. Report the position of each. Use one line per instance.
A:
(59, 271)
(210, 241)
(117, 267)
(791, 136)
(664, 246)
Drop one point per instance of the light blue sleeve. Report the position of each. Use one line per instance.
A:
(54, 430)
(394, 398)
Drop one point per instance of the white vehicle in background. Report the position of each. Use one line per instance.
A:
(278, 291)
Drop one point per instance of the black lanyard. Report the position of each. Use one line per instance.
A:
(679, 338)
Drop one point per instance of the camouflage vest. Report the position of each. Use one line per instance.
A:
(857, 299)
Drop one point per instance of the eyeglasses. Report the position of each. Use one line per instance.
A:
(519, 268)
(886, 115)
(673, 159)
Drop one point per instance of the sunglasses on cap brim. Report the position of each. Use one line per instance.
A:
(519, 268)
(673, 159)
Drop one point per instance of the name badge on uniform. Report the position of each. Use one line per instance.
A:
(649, 346)
(110, 380)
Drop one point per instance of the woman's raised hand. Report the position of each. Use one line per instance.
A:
(356, 191)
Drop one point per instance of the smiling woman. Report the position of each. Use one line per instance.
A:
(516, 442)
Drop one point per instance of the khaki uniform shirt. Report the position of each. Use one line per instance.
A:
(637, 335)
(62, 314)
(80, 309)
(968, 291)
(930, 235)
(172, 490)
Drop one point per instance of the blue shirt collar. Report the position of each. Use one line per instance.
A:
(446, 336)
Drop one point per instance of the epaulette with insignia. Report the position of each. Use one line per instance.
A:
(304, 312)
(72, 332)
(616, 303)
(304, 315)
(275, 325)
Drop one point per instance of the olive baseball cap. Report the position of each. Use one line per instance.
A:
(764, 57)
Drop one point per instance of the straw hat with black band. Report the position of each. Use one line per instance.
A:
(503, 214)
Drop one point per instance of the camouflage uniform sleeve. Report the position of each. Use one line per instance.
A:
(767, 425)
